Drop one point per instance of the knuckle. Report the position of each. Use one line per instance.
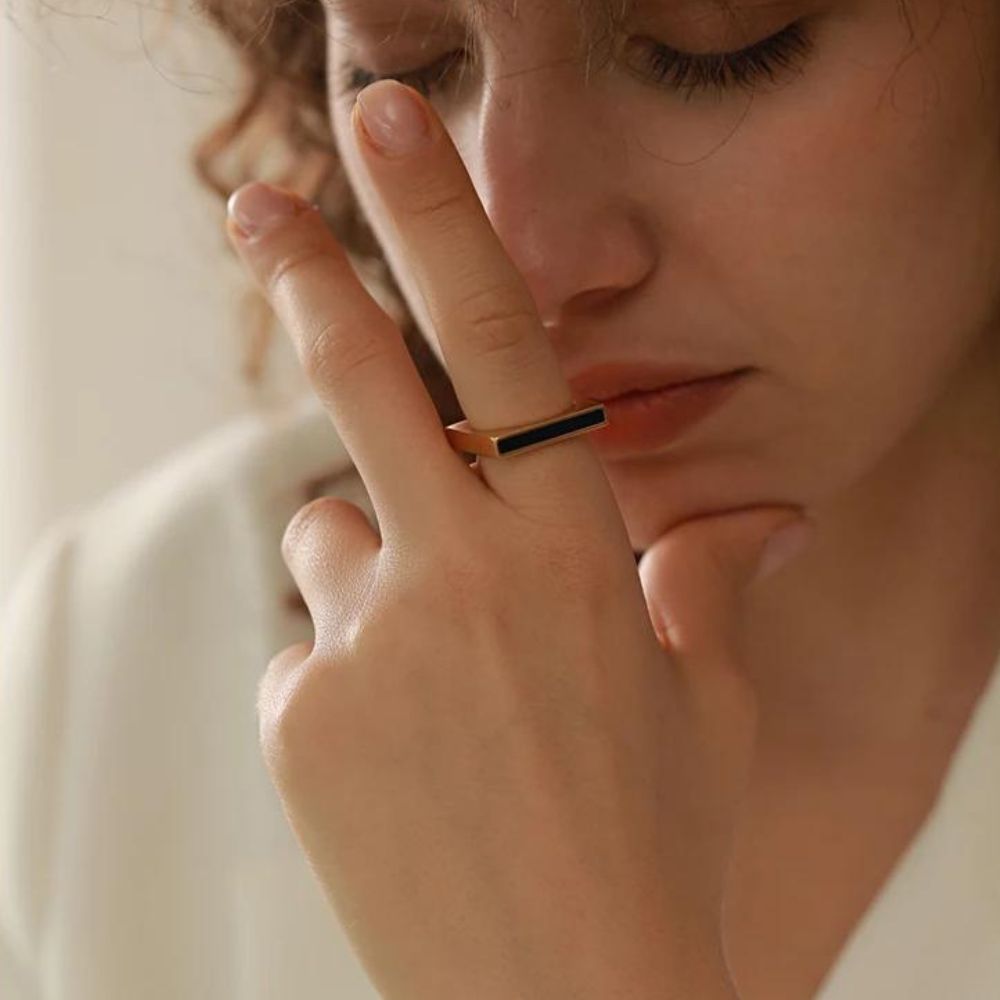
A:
(499, 328)
(330, 360)
(290, 263)
(501, 333)
(308, 522)
(274, 684)
(301, 719)
(276, 690)
(429, 202)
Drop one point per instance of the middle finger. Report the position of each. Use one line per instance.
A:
(499, 357)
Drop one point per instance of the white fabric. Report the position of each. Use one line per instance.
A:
(143, 851)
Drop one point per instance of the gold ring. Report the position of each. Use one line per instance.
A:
(502, 442)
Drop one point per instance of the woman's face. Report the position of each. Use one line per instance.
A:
(837, 227)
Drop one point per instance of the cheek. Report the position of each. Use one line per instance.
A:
(850, 236)
(872, 200)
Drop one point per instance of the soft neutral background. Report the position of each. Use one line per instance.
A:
(120, 335)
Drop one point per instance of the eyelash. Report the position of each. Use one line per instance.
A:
(682, 71)
(726, 70)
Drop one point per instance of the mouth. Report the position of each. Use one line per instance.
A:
(642, 420)
(619, 378)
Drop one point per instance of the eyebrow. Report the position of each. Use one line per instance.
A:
(590, 14)
(608, 11)
(582, 6)
(596, 19)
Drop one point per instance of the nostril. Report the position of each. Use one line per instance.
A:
(594, 299)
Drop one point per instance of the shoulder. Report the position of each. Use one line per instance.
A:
(129, 654)
(261, 452)
(237, 484)
(208, 516)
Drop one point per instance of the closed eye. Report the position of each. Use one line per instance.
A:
(766, 60)
(685, 72)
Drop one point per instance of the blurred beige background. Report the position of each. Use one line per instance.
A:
(119, 305)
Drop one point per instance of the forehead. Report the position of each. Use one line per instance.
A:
(590, 12)
(591, 15)
(594, 19)
(608, 7)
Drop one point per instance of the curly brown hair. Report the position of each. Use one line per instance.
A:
(282, 108)
(282, 52)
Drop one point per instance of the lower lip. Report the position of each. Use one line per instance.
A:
(642, 421)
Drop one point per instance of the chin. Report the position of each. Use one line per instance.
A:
(656, 494)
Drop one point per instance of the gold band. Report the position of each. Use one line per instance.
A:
(583, 416)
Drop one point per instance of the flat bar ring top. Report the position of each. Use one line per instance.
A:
(502, 442)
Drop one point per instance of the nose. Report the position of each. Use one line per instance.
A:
(551, 170)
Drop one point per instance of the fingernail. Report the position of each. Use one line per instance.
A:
(393, 118)
(256, 208)
(787, 542)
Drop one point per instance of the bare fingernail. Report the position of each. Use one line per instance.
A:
(393, 118)
(257, 208)
(787, 542)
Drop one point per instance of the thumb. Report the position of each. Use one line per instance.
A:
(694, 576)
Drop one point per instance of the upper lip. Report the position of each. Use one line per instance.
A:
(617, 378)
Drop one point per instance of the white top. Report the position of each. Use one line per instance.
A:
(144, 854)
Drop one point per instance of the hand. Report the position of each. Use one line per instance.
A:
(511, 779)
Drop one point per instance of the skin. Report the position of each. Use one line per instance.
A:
(486, 673)
(843, 236)
(841, 233)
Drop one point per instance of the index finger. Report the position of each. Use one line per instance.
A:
(354, 355)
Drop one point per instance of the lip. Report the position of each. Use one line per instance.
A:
(616, 378)
(643, 415)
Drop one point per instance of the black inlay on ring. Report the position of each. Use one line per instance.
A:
(574, 422)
